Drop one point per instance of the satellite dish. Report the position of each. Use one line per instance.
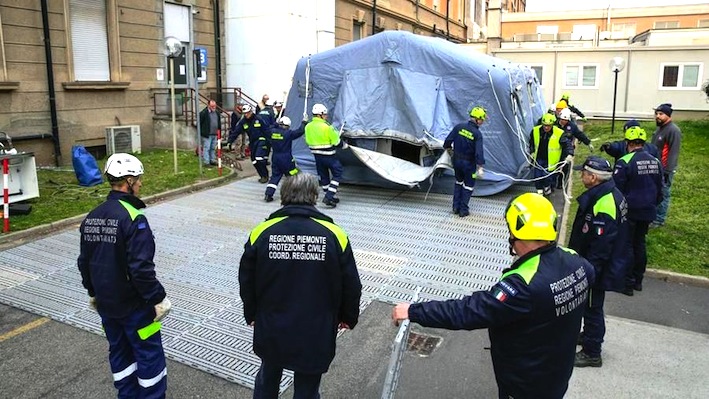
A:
(173, 46)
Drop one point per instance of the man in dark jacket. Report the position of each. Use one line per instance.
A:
(117, 270)
(533, 313)
(256, 129)
(549, 148)
(209, 122)
(299, 283)
(638, 175)
(668, 139)
(281, 141)
(468, 158)
(617, 149)
(599, 234)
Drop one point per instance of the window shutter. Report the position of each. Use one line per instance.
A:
(89, 40)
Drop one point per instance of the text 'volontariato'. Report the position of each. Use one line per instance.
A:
(297, 247)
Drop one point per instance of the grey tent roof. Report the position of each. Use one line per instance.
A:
(413, 88)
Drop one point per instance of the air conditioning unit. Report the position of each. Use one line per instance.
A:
(123, 139)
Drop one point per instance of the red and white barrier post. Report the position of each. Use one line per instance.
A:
(6, 195)
(219, 151)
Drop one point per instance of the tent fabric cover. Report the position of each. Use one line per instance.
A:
(401, 86)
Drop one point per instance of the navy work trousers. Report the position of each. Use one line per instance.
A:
(464, 184)
(594, 324)
(330, 172)
(268, 379)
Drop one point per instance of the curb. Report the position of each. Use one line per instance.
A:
(674, 277)
(18, 238)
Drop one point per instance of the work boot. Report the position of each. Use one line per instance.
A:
(263, 180)
(638, 287)
(463, 214)
(335, 200)
(628, 291)
(330, 203)
(584, 360)
(456, 211)
(268, 198)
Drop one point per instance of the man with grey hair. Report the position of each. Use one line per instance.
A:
(599, 234)
(298, 283)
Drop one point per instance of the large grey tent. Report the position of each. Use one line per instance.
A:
(395, 96)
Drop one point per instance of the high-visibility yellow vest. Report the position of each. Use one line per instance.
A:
(554, 147)
(321, 137)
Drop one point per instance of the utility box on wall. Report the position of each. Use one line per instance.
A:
(22, 178)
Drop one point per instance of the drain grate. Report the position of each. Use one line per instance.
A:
(422, 344)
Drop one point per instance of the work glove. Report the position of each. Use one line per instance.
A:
(584, 119)
(481, 172)
(590, 147)
(345, 146)
(605, 147)
(92, 302)
(162, 309)
(569, 158)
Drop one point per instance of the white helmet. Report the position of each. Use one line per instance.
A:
(121, 165)
(319, 109)
(284, 121)
(565, 114)
(246, 108)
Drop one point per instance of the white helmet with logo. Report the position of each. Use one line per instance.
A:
(319, 109)
(284, 121)
(246, 108)
(121, 165)
(565, 114)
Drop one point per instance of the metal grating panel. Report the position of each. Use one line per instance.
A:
(401, 240)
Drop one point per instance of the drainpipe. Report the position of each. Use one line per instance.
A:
(374, 17)
(50, 82)
(448, 9)
(218, 51)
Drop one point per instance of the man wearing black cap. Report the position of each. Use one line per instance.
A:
(667, 138)
(599, 234)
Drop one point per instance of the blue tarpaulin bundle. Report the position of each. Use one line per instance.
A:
(85, 167)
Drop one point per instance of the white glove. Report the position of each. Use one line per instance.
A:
(481, 171)
(162, 309)
(92, 302)
(569, 158)
(345, 146)
(590, 147)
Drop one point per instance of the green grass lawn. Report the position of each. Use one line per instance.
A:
(62, 197)
(681, 245)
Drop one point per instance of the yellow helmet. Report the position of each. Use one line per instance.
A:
(548, 119)
(561, 104)
(530, 217)
(478, 113)
(635, 133)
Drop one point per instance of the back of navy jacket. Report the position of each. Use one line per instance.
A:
(533, 314)
(600, 234)
(116, 257)
(638, 175)
(467, 141)
(298, 280)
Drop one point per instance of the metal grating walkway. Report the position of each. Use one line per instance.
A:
(400, 240)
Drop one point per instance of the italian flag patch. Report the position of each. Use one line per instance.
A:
(500, 295)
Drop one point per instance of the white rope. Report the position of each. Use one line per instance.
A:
(307, 86)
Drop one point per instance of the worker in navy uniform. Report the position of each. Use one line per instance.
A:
(572, 132)
(468, 158)
(117, 270)
(256, 129)
(617, 149)
(299, 283)
(281, 141)
(638, 175)
(599, 234)
(323, 141)
(549, 149)
(566, 97)
(533, 313)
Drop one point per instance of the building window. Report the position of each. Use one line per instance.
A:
(703, 23)
(623, 30)
(93, 40)
(665, 24)
(680, 76)
(581, 76)
(357, 28)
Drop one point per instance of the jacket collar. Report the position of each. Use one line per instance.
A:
(529, 255)
(129, 198)
(590, 196)
(307, 211)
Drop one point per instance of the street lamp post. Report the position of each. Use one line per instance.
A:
(617, 64)
(173, 47)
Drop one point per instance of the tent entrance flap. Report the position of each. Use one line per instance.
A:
(397, 170)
